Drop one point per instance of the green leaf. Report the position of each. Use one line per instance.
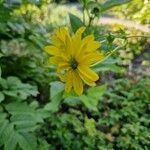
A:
(4, 13)
(97, 92)
(112, 3)
(2, 116)
(10, 137)
(75, 22)
(53, 106)
(109, 64)
(2, 97)
(89, 102)
(3, 126)
(15, 88)
(11, 142)
(56, 92)
(27, 141)
(93, 96)
(56, 87)
(7, 129)
(90, 126)
(0, 72)
(19, 108)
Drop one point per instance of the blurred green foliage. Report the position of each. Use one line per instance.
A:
(36, 114)
(137, 10)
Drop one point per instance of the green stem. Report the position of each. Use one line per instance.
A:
(108, 55)
(132, 36)
(84, 14)
(138, 36)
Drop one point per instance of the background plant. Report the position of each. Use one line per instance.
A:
(33, 106)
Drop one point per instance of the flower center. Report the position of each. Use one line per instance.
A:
(73, 64)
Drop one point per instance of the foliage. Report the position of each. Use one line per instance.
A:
(121, 121)
(36, 114)
(137, 10)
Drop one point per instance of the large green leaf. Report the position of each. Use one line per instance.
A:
(75, 22)
(110, 64)
(89, 102)
(27, 141)
(93, 96)
(2, 97)
(112, 3)
(97, 92)
(56, 91)
(20, 128)
(17, 89)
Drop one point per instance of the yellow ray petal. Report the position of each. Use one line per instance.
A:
(53, 60)
(77, 83)
(80, 31)
(92, 46)
(64, 66)
(61, 37)
(86, 80)
(91, 58)
(88, 39)
(88, 73)
(76, 41)
(52, 50)
(69, 81)
(57, 60)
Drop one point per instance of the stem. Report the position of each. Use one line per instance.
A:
(109, 54)
(132, 36)
(84, 14)
(138, 36)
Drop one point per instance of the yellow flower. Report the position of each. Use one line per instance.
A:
(73, 56)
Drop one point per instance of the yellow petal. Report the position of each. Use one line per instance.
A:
(86, 80)
(56, 60)
(53, 60)
(64, 66)
(69, 81)
(77, 83)
(91, 58)
(61, 37)
(52, 50)
(87, 73)
(80, 31)
(77, 42)
(88, 39)
(92, 46)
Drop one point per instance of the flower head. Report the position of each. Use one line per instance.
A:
(73, 56)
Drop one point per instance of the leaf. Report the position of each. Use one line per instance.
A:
(89, 102)
(90, 126)
(10, 137)
(17, 89)
(24, 117)
(53, 106)
(75, 22)
(27, 141)
(0, 72)
(112, 3)
(2, 97)
(7, 129)
(109, 64)
(97, 92)
(2, 116)
(93, 96)
(56, 87)
(4, 13)
(3, 126)
(11, 142)
(56, 92)
(15, 108)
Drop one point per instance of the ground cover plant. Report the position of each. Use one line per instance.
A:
(68, 82)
